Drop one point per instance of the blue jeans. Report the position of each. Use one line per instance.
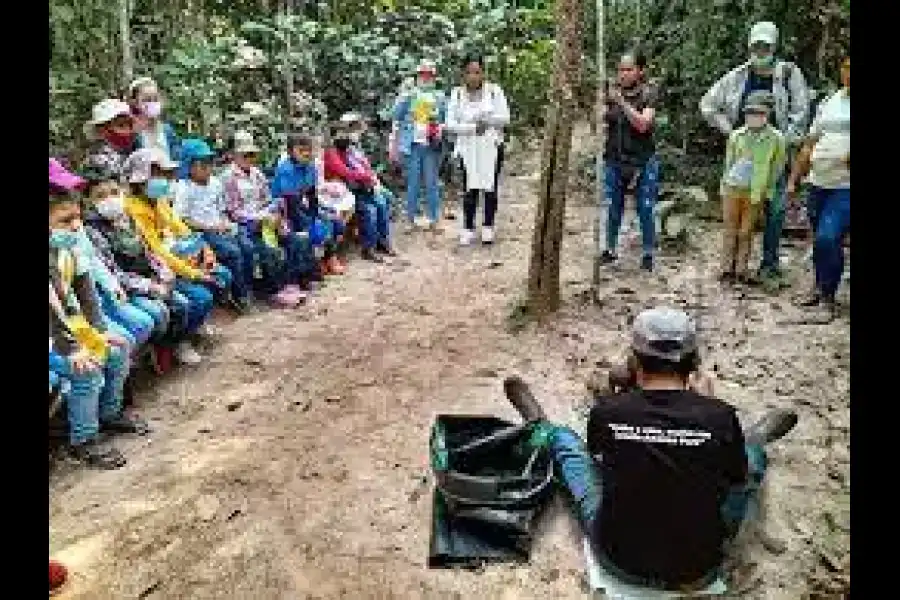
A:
(814, 209)
(774, 223)
(199, 302)
(271, 263)
(374, 219)
(94, 396)
(237, 257)
(136, 322)
(579, 476)
(300, 261)
(645, 195)
(422, 164)
(828, 250)
(157, 310)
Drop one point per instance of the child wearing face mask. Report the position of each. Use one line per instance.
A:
(94, 361)
(172, 242)
(149, 282)
(111, 133)
(152, 131)
(754, 160)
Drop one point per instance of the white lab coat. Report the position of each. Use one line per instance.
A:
(478, 152)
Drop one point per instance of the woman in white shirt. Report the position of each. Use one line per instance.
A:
(476, 115)
(825, 157)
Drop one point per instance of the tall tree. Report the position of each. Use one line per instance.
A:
(543, 273)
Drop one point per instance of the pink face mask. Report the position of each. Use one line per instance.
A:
(151, 109)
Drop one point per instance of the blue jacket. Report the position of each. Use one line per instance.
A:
(403, 117)
(171, 140)
(293, 178)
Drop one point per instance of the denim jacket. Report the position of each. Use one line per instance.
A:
(404, 118)
(172, 141)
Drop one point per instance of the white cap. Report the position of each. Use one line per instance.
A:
(350, 118)
(104, 112)
(244, 143)
(765, 32)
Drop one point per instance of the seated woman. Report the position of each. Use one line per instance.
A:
(172, 242)
(149, 282)
(249, 204)
(151, 131)
(295, 187)
(95, 361)
(199, 200)
(347, 163)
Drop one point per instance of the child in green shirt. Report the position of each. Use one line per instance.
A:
(754, 159)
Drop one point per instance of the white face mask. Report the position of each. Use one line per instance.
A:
(111, 207)
(755, 121)
(354, 136)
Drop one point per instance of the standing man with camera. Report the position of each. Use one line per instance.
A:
(723, 108)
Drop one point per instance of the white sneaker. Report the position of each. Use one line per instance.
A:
(466, 237)
(487, 235)
(186, 355)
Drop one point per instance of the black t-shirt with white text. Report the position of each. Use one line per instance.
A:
(666, 461)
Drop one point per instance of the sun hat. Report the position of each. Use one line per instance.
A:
(665, 333)
(104, 112)
(244, 143)
(759, 101)
(764, 32)
(64, 179)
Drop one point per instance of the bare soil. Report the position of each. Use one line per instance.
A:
(293, 463)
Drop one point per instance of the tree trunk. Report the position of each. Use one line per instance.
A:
(125, 42)
(600, 118)
(288, 70)
(543, 272)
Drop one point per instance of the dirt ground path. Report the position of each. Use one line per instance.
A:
(293, 465)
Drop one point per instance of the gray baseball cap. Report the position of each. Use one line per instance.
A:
(664, 333)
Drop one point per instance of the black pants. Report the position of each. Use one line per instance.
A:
(470, 200)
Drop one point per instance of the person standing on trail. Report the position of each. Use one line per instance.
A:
(420, 115)
(754, 163)
(146, 107)
(476, 115)
(723, 108)
(825, 156)
(667, 476)
(630, 154)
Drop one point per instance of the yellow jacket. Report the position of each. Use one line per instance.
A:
(157, 223)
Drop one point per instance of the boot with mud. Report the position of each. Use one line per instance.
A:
(370, 255)
(773, 426)
(97, 456)
(519, 394)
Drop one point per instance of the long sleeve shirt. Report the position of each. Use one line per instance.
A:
(201, 206)
(754, 160)
(247, 197)
(72, 293)
(338, 167)
(158, 226)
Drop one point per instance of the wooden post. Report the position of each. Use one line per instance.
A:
(125, 43)
(601, 143)
(543, 272)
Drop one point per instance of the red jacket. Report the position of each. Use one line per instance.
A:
(335, 167)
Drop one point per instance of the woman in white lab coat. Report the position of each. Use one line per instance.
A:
(476, 115)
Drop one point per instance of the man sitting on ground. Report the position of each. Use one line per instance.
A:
(667, 475)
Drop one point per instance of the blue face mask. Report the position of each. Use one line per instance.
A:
(157, 187)
(63, 239)
(763, 62)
